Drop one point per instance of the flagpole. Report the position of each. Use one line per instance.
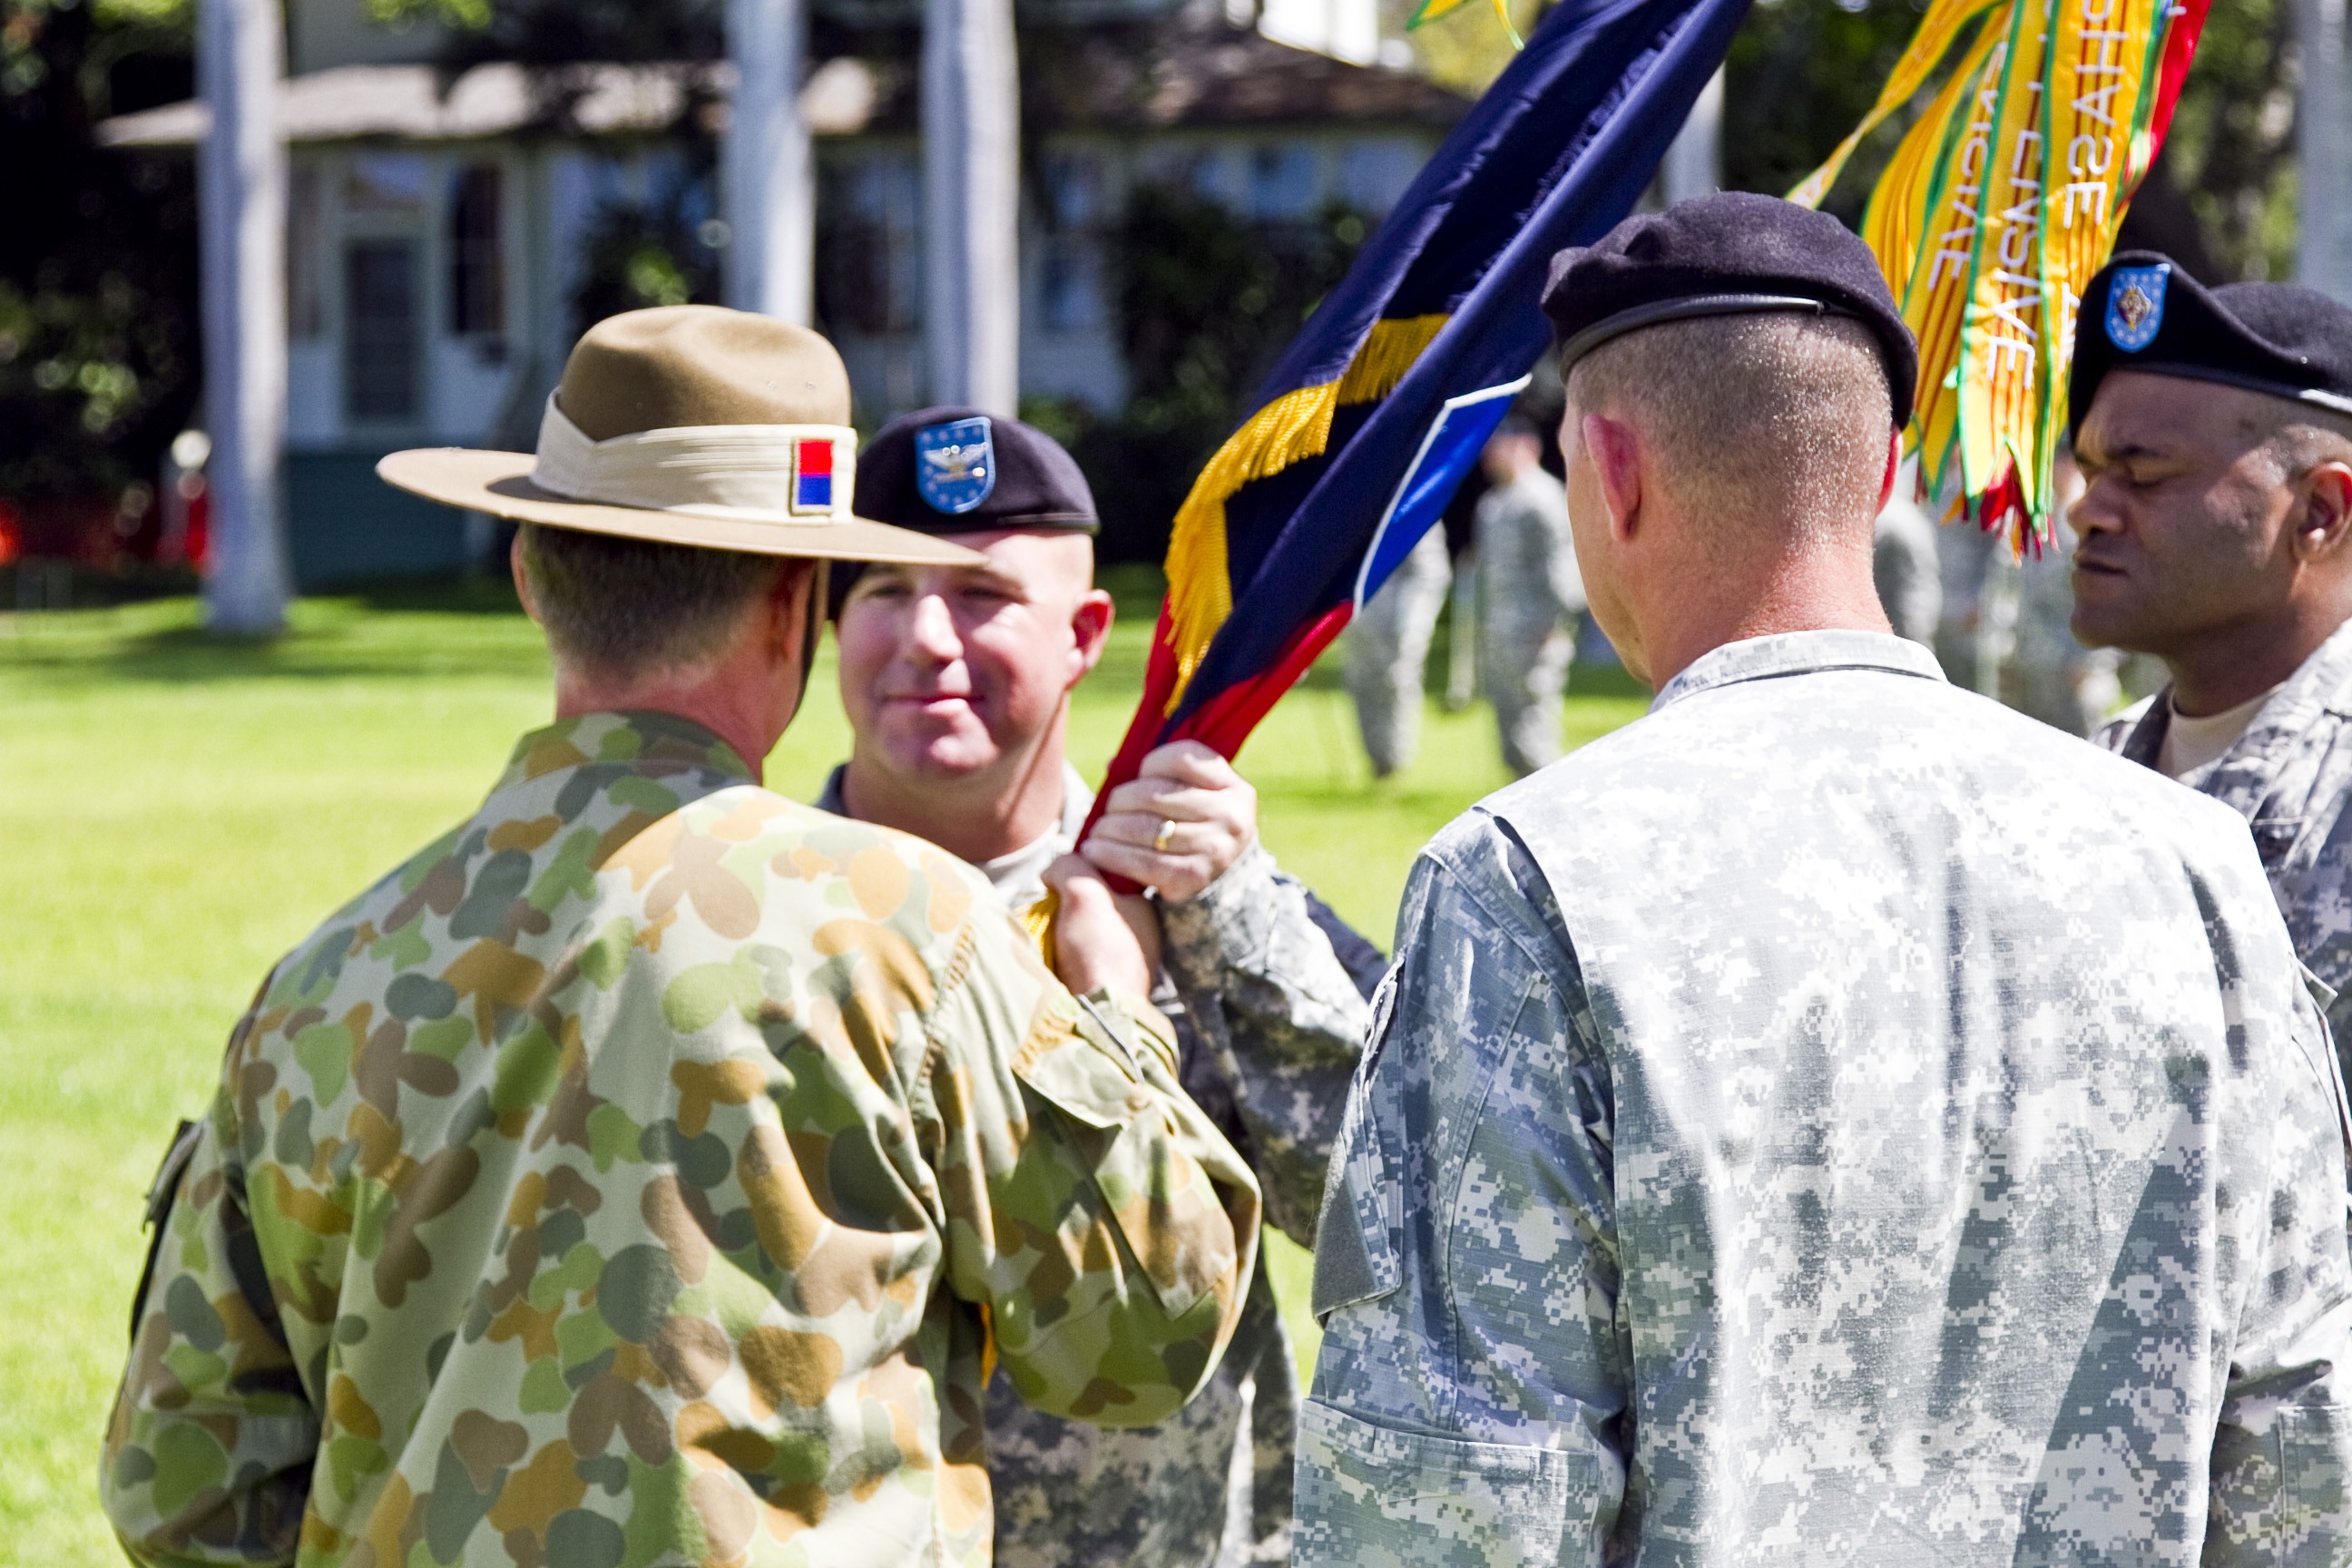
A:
(241, 201)
(1693, 166)
(769, 173)
(2323, 134)
(971, 203)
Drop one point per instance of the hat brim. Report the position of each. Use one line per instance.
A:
(499, 483)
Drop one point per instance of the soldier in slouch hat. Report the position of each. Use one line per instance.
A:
(652, 1169)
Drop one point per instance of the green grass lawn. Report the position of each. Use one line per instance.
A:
(177, 812)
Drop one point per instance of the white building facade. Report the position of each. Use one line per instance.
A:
(438, 230)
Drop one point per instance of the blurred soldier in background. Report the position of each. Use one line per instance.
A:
(1832, 1119)
(2214, 430)
(1529, 595)
(957, 682)
(1388, 645)
(649, 1169)
(1903, 566)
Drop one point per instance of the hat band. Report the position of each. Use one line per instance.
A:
(1684, 308)
(2313, 395)
(756, 473)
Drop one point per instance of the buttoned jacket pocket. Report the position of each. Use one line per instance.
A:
(1371, 1496)
(1143, 1146)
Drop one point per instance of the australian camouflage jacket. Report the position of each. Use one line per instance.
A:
(647, 1173)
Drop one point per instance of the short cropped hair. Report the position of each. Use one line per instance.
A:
(625, 606)
(2296, 437)
(1774, 418)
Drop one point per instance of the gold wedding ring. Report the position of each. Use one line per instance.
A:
(1159, 839)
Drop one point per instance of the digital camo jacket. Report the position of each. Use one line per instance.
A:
(643, 1175)
(1266, 988)
(2290, 776)
(1835, 1120)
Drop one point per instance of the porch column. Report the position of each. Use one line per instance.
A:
(971, 203)
(241, 192)
(1693, 166)
(769, 173)
(2322, 257)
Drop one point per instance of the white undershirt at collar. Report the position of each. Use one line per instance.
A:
(2192, 744)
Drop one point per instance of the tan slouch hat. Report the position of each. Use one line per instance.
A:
(686, 424)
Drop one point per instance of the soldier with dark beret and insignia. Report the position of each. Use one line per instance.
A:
(957, 680)
(2214, 431)
(652, 1170)
(1833, 1118)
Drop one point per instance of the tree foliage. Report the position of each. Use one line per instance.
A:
(1802, 73)
(98, 311)
(637, 255)
(1206, 301)
(566, 32)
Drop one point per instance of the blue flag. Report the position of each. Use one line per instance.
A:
(1377, 410)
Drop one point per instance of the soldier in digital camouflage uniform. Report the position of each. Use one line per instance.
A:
(957, 682)
(1529, 595)
(1387, 650)
(648, 1172)
(2214, 432)
(1833, 1119)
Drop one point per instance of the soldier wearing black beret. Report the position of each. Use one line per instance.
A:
(958, 685)
(2214, 431)
(1765, 1093)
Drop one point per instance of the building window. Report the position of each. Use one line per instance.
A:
(386, 184)
(306, 306)
(478, 282)
(1073, 189)
(1069, 287)
(381, 336)
(1282, 182)
(869, 275)
(1374, 175)
(1069, 279)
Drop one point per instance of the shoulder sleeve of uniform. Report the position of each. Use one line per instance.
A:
(1475, 1345)
(1104, 1221)
(210, 1447)
(1478, 963)
(1269, 994)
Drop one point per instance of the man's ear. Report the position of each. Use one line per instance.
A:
(522, 579)
(1089, 632)
(1617, 464)
(787, 606)
(2326, 522)
(1893, 462)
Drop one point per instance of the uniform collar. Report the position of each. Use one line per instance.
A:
(2243, 774)
(664, 741)
(1799, 652)
(1019, 875)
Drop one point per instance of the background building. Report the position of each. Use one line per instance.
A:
(449, 231)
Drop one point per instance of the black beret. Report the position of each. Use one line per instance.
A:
(2143, 313)
(1732, 253)
(958, 471)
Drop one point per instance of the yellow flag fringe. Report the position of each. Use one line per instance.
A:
(1997, 207)
(1293, 427)
(1937, 28)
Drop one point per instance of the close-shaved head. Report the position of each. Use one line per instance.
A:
(1777, 421)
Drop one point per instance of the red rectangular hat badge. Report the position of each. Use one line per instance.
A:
(812, 474)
